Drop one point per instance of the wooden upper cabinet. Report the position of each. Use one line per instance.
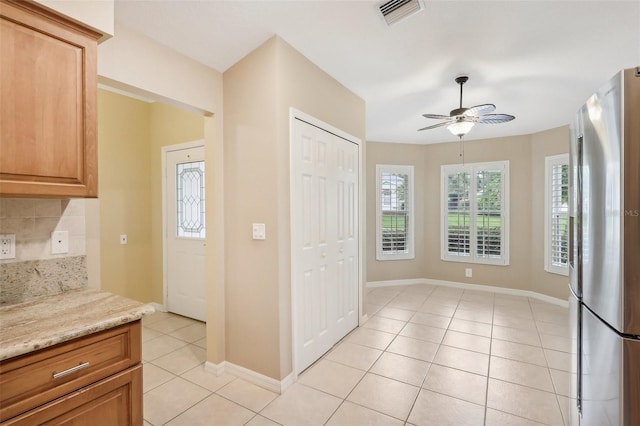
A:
(48, 112)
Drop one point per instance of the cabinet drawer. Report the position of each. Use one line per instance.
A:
(116, 400)
(36, 378)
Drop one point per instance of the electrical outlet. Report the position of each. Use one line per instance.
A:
(468, 272)
(8, 246)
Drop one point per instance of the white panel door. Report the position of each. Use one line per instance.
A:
(325, 241)
(185, 233)
(347, 235)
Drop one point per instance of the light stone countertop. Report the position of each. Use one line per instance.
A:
(47, 321)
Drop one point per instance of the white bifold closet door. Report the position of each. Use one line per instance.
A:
(325, 203)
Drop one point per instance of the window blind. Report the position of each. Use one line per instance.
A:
(394, 210)
(475, 219)
(557, 214)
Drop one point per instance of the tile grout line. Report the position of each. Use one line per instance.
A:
(553, 382)
(486, 391)
(460, 298)
(424, 379)
(369, 371)
(162, 333)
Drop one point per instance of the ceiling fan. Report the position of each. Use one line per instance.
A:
(461, 120)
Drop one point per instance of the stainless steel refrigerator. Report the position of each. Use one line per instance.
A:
(604, 255)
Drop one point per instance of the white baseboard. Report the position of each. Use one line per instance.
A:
(273, 385)
(158, 307)
(390, 283)
(478, 287)
(217, 369)
(363, 318)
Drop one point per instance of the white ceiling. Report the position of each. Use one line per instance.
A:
(537, 60)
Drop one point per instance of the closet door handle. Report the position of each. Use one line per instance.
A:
(70, 370)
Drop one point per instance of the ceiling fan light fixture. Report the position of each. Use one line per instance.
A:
(461, 120)
(460, 128)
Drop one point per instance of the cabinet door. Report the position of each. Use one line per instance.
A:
(36, 378)
(48, 84)
(116, 400)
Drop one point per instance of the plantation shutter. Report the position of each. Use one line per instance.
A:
(474, 213)
(557, 245)
(394, 211)
(458, 214)
(559, 214)
(489, 213)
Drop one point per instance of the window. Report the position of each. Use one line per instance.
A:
(190, 200)
(475, 213)
(394, 212)
(556, 221)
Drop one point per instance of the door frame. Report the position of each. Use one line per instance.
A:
(165, 150)
(294, 115)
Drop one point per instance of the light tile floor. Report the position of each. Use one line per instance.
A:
(428, 355)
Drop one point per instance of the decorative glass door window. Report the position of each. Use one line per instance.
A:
(190, 200)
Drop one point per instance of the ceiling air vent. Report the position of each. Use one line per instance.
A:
(395, 11)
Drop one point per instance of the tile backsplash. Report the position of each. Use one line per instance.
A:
(33, 221)
(35, 271)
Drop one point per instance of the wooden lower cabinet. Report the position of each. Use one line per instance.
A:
(116, 400)
(92, 380)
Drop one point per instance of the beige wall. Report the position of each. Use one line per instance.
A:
(98, 15)
(133, 62)
(141, 66)
(124, 196)
(526, 169)
(250, 178)
(516, 151)
(396, 154)
(131, 134)
(259, 90)
(544, 144)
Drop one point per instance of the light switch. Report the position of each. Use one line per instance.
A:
(259, 231)
(123, 239)
(59, 242)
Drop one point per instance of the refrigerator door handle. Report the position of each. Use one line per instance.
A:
(571, 243)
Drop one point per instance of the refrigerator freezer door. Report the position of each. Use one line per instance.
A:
(610, 375)
(631, 194)
(601, 250)
(610, 219)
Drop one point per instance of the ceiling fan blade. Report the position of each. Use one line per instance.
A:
(436, 116)
(479, 110)
(444, 123)
(494, 118)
